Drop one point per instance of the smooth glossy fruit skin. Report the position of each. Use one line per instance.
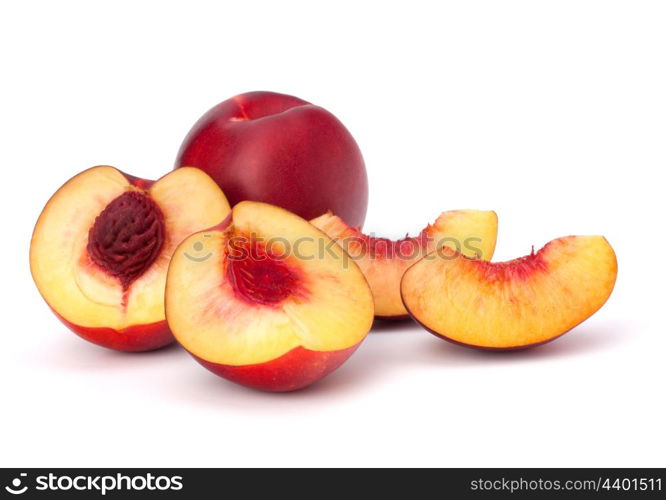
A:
(294, 370)
(136, 338)
(282, 150)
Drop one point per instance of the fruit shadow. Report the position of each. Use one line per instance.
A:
(184, 379)
(204, 387)
(366, 367)
(409, 346)
(391, 325)
(380, 358)
(69, 353)
(580, 341)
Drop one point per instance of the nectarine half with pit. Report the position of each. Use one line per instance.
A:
(282, 150)
(272, 303)
(514, 304)
(101, 248)
(383, 261)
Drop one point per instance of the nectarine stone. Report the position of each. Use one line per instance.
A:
(127, 236)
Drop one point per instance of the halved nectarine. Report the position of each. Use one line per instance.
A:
(101, 248)
(514, 304)
(267, 300)
(383, 261)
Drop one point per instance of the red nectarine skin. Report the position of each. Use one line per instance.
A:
(294, 370)
(282, 150)
(400, 317)
(378, 247)
(136, 338)
(138, 182)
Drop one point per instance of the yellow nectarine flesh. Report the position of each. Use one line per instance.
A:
(384, 261)
(259, 286)
(514, 304)
(101, 247)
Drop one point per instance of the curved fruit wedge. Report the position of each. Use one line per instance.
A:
(383, 261)
(514, 304)
(266, 300)
(101, 248)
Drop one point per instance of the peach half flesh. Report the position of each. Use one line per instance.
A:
(514, 304)
(266, 300)
(101, 247)
(384, 261)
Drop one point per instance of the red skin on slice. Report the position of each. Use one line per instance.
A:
(137, 338)
(294, 370)
(280, 149)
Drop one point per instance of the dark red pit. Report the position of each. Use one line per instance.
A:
(259, 277)
(127, 236)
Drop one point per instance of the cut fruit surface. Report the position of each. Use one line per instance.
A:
(383, 261)
(266, 305)
(101, 248)
(514, 304)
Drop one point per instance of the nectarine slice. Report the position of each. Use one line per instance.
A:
(266, 300)
(514, 304)
(383, 261)
(101, 248)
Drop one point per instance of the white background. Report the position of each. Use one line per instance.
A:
(551, 113)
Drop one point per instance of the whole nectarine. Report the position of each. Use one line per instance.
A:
(282, 150)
